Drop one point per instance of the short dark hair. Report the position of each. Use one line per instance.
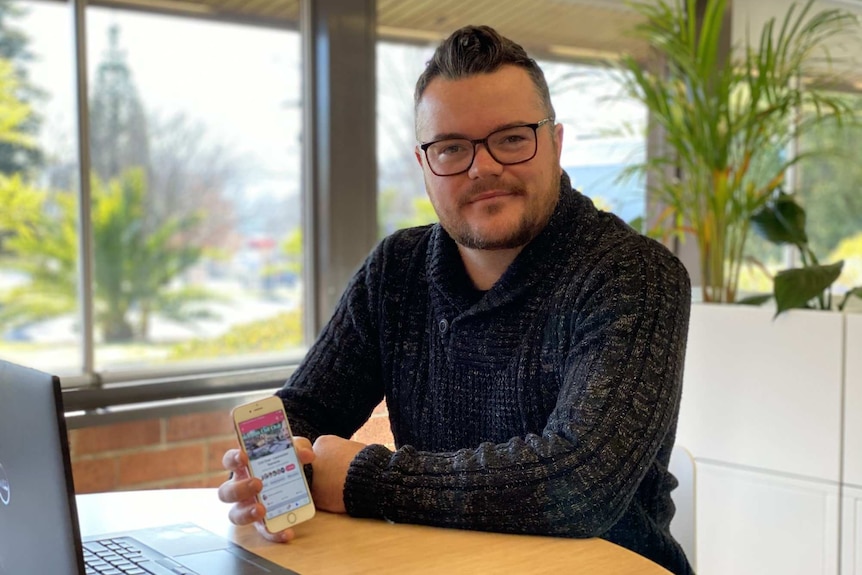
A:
(480, 50)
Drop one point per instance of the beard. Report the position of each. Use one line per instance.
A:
(532, 221)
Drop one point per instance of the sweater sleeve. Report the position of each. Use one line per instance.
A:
(618, 402)
(338, 384)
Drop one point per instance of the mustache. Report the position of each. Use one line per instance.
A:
(481, 187)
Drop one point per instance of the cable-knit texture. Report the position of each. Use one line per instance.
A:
(546, 405)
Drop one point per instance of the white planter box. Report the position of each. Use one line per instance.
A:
(853, 405)
(772, 412)
(764, 393)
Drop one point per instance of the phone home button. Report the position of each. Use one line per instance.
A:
(291, 518)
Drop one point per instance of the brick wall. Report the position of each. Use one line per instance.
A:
(178, 451)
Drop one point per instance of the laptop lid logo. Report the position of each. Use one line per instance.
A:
(5, 491)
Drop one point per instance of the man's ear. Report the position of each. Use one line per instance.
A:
(418, 153)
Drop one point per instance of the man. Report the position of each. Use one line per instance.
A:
(530, 348)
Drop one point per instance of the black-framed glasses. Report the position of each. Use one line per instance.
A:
(513, 145)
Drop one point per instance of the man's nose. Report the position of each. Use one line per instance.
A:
(484, 163)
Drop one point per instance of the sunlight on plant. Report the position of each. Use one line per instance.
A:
(849, 250)
(757, 278)
(601, 203)
(279, 333)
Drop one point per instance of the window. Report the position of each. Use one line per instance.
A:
(401, 200)
(603, 134)
(829, 190)
(38, 163)
(195, 206)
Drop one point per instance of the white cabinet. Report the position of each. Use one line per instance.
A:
(762, 411)
(853, 402)
(851, 525)
(758, 523)
(851, 532)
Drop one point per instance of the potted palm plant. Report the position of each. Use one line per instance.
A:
(727, 119)
(766, 400)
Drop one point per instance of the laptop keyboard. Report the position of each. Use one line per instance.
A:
(125, 556)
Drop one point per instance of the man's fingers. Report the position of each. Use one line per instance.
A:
(235, 460)
(252, 512)
(305, 455)
(303, 450)
(245, 512)
(280, 537)
(239, 490)
(242, 491)
(301, 442)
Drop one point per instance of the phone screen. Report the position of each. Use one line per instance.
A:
(273, 460)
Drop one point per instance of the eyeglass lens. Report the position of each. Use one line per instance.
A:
(507, 146)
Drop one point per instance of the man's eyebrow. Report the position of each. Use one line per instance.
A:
(446, 136)
(461, 136)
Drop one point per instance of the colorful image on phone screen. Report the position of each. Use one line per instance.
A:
(273, 460)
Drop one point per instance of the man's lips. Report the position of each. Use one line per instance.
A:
(490, 194)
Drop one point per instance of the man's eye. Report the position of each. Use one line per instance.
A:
(512, 139)
(451, 149)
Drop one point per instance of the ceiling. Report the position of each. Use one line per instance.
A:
(582, 28)
(570, 29)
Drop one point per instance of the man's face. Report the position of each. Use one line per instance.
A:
(490, 206)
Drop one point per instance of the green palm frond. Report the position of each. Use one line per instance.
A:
(727, 118)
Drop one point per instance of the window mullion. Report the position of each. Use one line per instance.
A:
(85, 236)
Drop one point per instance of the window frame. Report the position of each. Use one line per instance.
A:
(335, 247)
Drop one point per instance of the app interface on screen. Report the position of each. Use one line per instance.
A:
(273, 460)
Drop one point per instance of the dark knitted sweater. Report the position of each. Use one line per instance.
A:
(546, 405)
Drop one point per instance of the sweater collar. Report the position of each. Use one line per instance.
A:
(535, 264)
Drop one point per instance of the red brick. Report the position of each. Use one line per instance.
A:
(186, 484)
(117, 436)
(376, 430)
(199, 426)
(94, 475)
(215, 480)
(160, 464)
(216, 450)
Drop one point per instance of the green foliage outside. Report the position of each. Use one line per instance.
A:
(14, 113)
(291, 250)
(397, 211)
(118, 122)
(136, 261)
(18, 154)
(830, 186)
(278, 333)
(138, 255)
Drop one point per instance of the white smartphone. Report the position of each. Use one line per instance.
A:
(264, 434)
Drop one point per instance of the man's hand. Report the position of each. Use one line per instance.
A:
(332, 457)
(242, 490)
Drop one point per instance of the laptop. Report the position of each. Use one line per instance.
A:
(39, 531)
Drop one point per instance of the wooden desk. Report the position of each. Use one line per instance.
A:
(332, 544)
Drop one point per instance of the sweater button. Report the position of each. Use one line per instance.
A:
(443, 325)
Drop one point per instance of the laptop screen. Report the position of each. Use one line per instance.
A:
(38, 524)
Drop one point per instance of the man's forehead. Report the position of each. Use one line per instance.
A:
(505, 96)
